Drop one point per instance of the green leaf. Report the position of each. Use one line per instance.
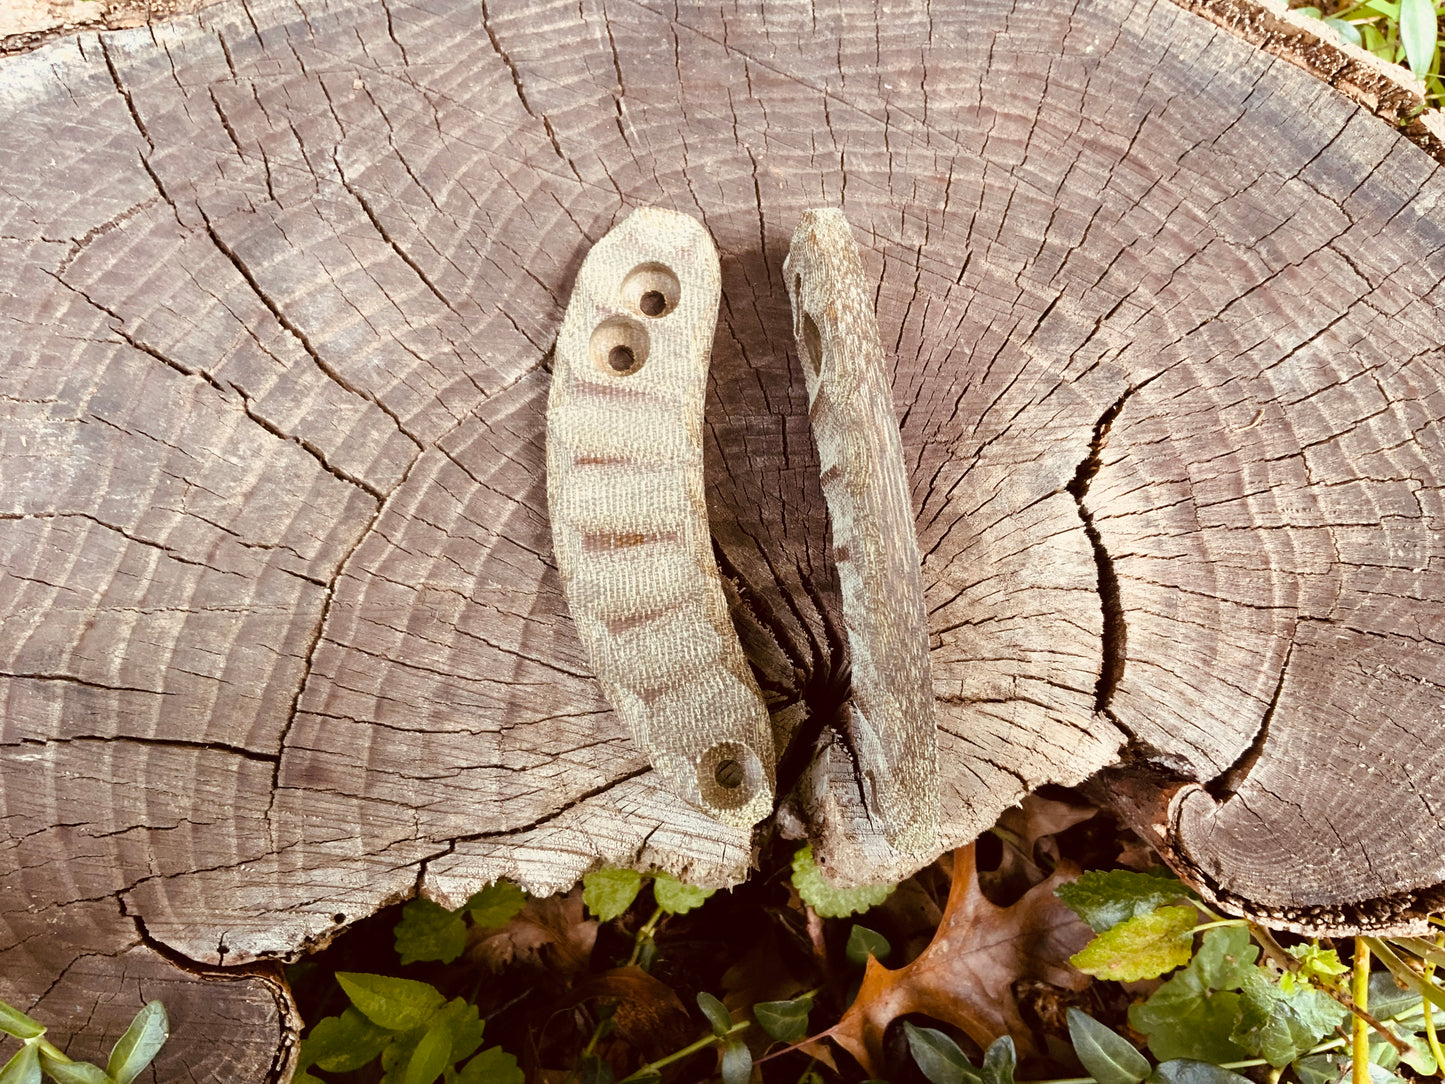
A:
(343, 1044)
(716, 1012)
(23, 1068)
(999, 1061)
(428, 931)
(1347, 31)
(141, 1042)
(1142, 947)
(495, 905)
(1185, 1018)
(1188, 1071)
(494, 1066)
(1319, 1069)
(786, 1021)
(432, 1054)
(395, 1004)
(306, 1078)
(828, 901)
(676, 898)
(1317, 964)
(72, 1072)
(596, 1071)
(1418, 30)
(1104, 899)
(1225, 959)
(1280, 1026)
(609, 892)
(737, 1062)
(939, 1057)
(464, 1024)
(863, 943)
(1108, 1056)
(1387, 999)
(16, 1023)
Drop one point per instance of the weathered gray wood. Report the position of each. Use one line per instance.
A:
(282, 635)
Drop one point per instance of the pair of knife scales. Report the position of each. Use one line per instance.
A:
(630, 528)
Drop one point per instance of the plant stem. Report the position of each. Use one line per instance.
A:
(686, 1052)
(643, 933)
(1220, 922)
(1360, 994)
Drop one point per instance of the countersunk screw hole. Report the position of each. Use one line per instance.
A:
(652, 303)
(338, 918)
(621, 358)
(729, 774)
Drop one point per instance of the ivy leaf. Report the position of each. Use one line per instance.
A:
(1188, 1071)
(863, 943)
(395, 1004)
(676, 898)
(428, 931)
(828, 901)
(493, 1066)
(1142, 947)
(343, 1044)
(939, 1057)
(1280, 1026)
(1226, 958)
(1105, 898)
(135, 1049)
(716, 1012)
(737, 1062)
(786, 1021)
(1108, 1056)
(609, 892)
(999, 1061)
(16, 1023)
(1184, 1019)
(1387, 999)
(23, 1068)
(495, 905)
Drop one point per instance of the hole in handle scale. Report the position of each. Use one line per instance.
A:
(652, 290)
(618, 346)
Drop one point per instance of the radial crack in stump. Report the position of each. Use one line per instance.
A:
(892, 728)
(629, 517)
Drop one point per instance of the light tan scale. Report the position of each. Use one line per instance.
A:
(629, 518)
(893, 726)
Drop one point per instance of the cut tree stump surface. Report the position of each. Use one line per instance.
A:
(282, 635)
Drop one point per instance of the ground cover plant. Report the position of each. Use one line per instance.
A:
(1405, 32)
(1002, 963)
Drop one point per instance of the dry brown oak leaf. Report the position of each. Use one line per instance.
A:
(966, 975)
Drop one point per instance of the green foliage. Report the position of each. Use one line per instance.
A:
(428, 931)
(416, 1032)
(942, 1062)
(609, 892)
(1193, 1015)
(1108, 1056)
(718, 1017)
(1281, 1026)
(1403, 32)
(863, 943)
(827, 901)
(786, 1021)
(38, 1057)
(676, 898)
(1104, 899)
(737, 1062)
(1142, 947)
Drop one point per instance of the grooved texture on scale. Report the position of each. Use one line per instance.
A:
(629, 515)
(281, 633)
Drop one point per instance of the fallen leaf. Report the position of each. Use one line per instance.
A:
(551, 933)
(650, 1017)
(966, 975)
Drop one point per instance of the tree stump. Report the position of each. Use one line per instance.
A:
(283, 637)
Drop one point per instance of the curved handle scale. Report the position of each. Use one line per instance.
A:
(629, 519)
(894, 731)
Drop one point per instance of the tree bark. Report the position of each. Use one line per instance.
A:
(283, 639)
